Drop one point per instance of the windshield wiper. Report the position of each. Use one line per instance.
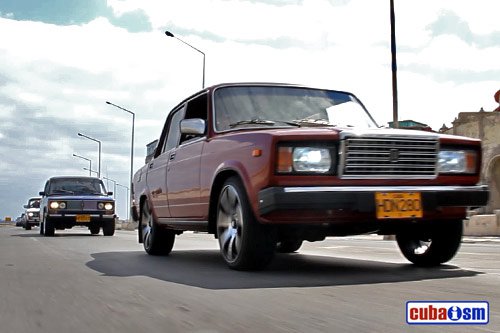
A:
(312, 122)
(262, 122)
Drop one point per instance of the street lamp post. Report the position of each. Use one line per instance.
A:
(128, 201)
(87, 159)
(99, 142)
(132, 141)
(114, 185)
(169, 34)
(90, 171)
(394, 67)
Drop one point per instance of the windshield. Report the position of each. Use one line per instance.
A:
(77, 186)
(34, 203)
(267, 106)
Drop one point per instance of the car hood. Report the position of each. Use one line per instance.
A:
(32, 210)
(343, 132)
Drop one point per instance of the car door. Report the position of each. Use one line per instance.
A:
(156, 178)
(183, 179)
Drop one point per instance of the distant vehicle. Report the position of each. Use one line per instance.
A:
(265, 167)
(20, 221)
(71, 201)
(32, 213)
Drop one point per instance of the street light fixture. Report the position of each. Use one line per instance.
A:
(132, 141)
(128, 201)
(99, 142)
(87, 159)
(90, 171)
(169, 34)
(114, 185)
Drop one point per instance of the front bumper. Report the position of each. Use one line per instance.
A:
(71, 219)
(362, 198)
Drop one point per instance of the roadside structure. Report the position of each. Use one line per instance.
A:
(484, 125)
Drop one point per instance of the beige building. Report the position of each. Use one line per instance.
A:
(484, 125)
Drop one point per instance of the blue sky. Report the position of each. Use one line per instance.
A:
(60, 61)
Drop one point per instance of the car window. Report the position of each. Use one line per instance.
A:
(174, 130)
(196, 108)
(77, 186)
(264, 106)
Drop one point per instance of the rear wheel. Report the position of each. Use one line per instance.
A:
(431, 247)
(288, 245)
(156, 240)
(244, 243)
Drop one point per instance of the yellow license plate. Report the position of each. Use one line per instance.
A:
(83, 218)
(398, 205)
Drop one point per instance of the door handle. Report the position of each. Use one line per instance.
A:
(151, 165)
(172, 156)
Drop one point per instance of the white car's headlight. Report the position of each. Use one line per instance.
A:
(30, 214)
(457, 161)
(305, 159)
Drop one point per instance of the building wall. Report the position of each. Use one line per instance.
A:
(485, 126)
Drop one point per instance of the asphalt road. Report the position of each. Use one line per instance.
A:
(76, 282)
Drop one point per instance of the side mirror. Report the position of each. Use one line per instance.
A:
(41, 193)
(25, 206)
(193, 126)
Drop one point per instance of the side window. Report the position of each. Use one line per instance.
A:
(174, 130)
(46, 189)
(196, 108)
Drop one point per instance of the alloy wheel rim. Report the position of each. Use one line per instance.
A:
(230, 223)
(146, 227)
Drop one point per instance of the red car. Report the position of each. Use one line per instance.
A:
(265, 167)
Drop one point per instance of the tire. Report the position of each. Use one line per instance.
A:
(156, 241)
(49, 230)
(244, 243)
(288, 245)
(41, 228)
(27, 227)
(431, 247)
(108, 228)
(94, 230)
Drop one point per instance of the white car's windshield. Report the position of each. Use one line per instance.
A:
(266, 106)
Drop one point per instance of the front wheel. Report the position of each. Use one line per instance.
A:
(49, 228)
(156, 241)
(433, 246)
(27, 227)
(108, 228)
(94, 230)
(244, 243)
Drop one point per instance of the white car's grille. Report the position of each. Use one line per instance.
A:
(389, 157)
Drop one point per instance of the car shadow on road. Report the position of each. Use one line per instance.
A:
(206, 269)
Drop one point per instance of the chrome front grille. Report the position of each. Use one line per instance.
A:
(389, 157)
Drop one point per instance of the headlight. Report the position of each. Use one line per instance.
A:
(57, 205)
(457, 161)
(304, 159)
(30, 214)
(105, 205)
